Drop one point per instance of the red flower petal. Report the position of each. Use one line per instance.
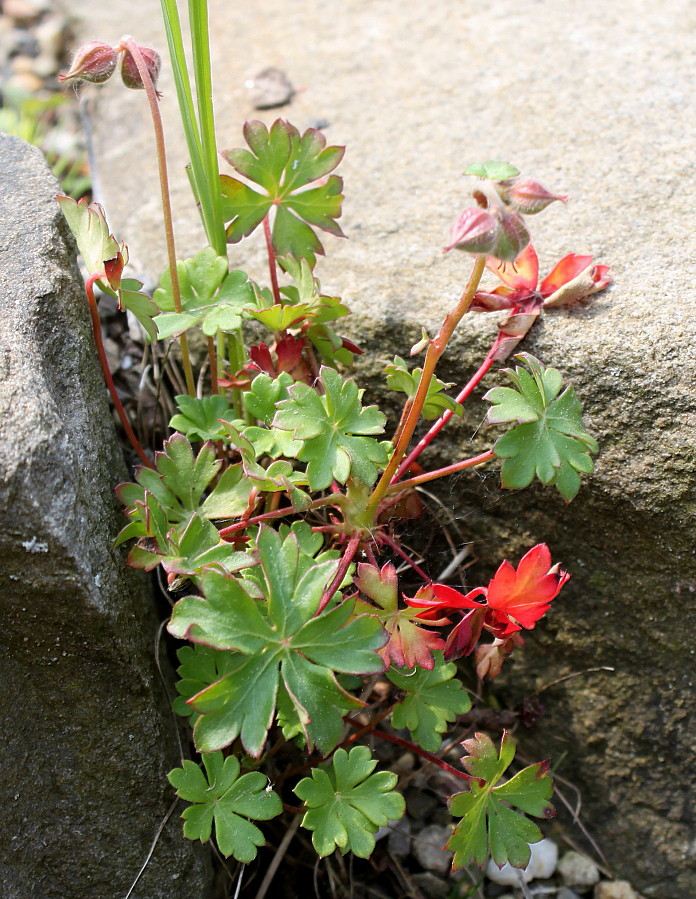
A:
(564, 271)
(524, 595)
(522, 274)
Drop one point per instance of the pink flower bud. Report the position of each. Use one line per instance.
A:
(510, 239)
(528, 196)
(474, 230)
(129, 70)
(94, 62)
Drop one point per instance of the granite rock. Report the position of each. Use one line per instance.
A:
(89, 736)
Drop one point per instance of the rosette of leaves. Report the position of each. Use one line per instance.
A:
(549, 440)
(346, 803)
(284, 641)
(219, 795)
(489, 825)
(283, 164)
(400, 378)
(211, 296)
(333, 428)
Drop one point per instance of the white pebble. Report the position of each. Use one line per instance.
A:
(577, 871)
(542, 863)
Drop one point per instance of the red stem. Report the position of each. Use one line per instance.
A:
(127, 43)
(271, 261)
(348, 556)
(268, 516)
(96, 329)
(445, 417)
(442, 472)
(392, 544)
(428, 756)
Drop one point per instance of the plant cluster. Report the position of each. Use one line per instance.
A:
(274, 506)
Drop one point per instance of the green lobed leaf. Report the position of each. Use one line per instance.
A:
(210, 296)
(199, 667)
(286, 641)
(488, 823)
(346, 803)
(283, 164)
(220, 796)
(433, 700)
(550, 440)
(400, 378)
(199, 419)
(332, 427)
(492, 170)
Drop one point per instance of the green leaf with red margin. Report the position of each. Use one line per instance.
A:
(283, 163)
(549, 440)
(488, 823)
(432, 700)
(410, 644)
(285, 640)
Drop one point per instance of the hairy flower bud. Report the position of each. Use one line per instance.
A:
(129, 69)
(511, 237)
(528, 196)
(474, 230)
(95, 61)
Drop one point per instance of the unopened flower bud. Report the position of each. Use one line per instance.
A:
(94, 62)
(474, 230)
(528, 196)
(129, 70)
(113, 268)
(510, 239)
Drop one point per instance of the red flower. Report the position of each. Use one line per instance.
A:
(573, 278)
(514, 599)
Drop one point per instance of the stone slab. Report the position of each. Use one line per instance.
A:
(88, 735)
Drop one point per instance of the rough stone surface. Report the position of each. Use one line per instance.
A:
(596, 101)
(88, 737)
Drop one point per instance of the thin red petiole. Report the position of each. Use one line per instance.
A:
(461, 397)
(96, 329)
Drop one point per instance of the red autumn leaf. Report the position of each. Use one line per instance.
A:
(409, 643)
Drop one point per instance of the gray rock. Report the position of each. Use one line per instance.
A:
(399, 841)
(416, 98)
(88, 735)
(427, 848)
(578, 871)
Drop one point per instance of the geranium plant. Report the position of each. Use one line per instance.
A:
(274, 507)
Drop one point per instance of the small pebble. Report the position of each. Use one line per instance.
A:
(399, 841)
(615, 889)
(25, 12)
(269, 87)
(541, 864)
(427, 848)
(578, 871)
(420, 804)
